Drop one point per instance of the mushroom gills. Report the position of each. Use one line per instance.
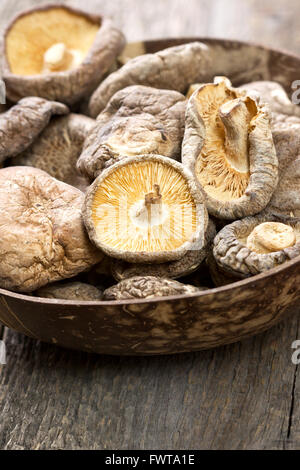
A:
(49, 40)
(223, 166)
(152, 222)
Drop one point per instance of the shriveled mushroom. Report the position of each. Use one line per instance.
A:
(58, 147)
(42, 236)
(274, 95)
(174, 68)
(174, 269)
(286, 135)
(228, 145)
(195, 86)
(21, 124)
(146, 209)
(147, 287)
(255, 244)
(58, 53)
(70, 291)
(138, 120)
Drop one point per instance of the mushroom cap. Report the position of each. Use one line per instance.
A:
(138, 120)
(274, 95)
(286, 136)
(42, 236)
(57, 148)
(256, 244)
(70, 291)
(228, 146)
(21, 124)
(174, 68)
(123, 220)
(147, 287)
(171, 270)
(97, 41)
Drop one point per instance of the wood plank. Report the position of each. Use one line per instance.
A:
(235, 397)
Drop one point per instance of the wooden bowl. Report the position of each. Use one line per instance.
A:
(182, 323)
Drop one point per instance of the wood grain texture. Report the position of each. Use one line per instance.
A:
(244, 396)
(236, 397)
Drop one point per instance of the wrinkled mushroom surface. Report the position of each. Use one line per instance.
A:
(286, 135)
(138, 120)
(20, 125)
(145, 209)
(274, 95)
(147, 287)
(58, 147)
(174, 68)
(42, 236)
(228, 146)
(70, 291)
(58, 53)
(174, 269)
(256, 244)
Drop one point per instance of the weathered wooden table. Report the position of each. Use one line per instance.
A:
(244, 396)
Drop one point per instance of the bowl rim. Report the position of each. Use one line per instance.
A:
(201, 294)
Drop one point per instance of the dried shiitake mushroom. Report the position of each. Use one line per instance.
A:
(42, 236)
(70, 291)
(58, 53)
(274, 95)
(174, 68)
(228, 146)
(147, 287)
(146, 209)
(255, 244)
(58, 147)
(21, 124)
(138, 120)
(195, 86)
(172, 270)
(286, 136)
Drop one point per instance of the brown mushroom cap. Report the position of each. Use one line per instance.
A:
(286, 136)
(174, 68)
(58, 53)
(42, 236)
(138, 120)
(70, 291)
(21, 124)
(145, 209)
(274, 95)
(172, 270)
(147, 287)
(58, 147)
(228, 146)
(256, 244)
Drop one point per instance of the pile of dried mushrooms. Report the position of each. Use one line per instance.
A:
(140, 177)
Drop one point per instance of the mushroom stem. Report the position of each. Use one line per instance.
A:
(155, 197)
(271, 236)
(235, 117)
(57, 58)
